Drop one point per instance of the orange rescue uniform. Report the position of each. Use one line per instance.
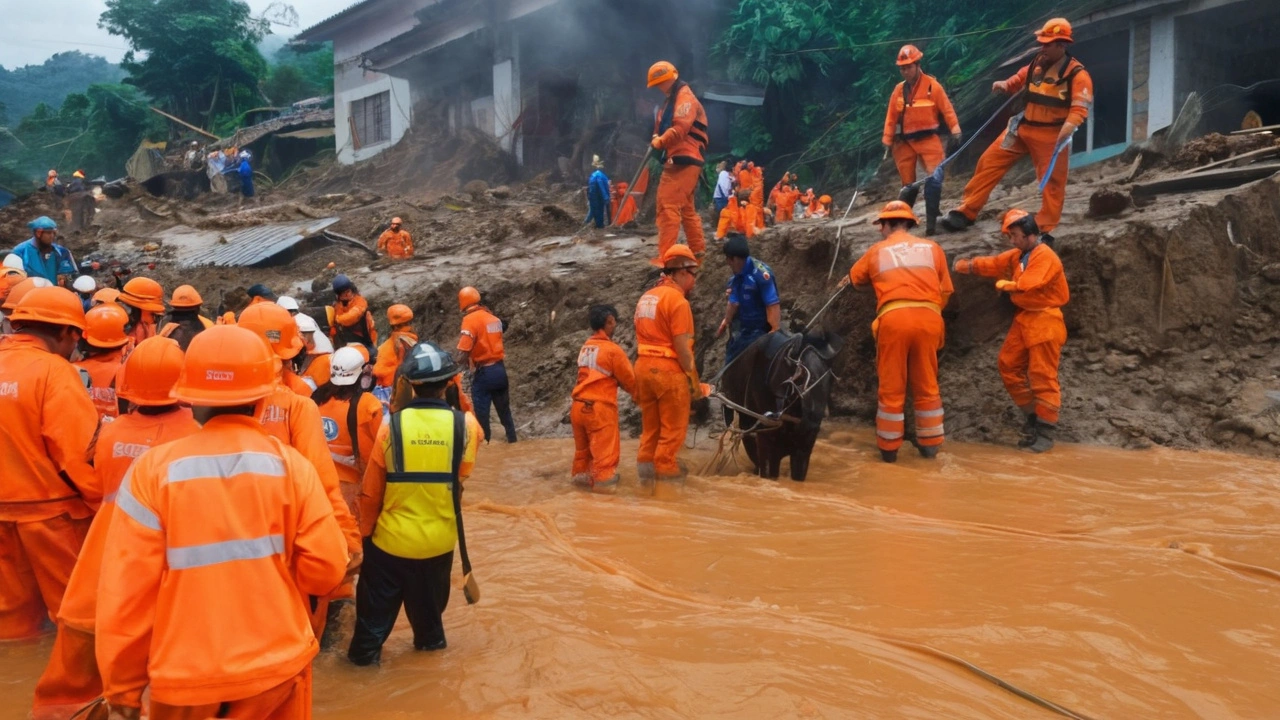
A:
(316, 368)
(683, 142)
(144, 328)
(48, 486)
(217, 541)
(348, 316)
(482, 337)
(912, 286)
(102, 368)
(1028, 361)
(602, 368)
(294, 381)
(663, 390)
(1056, 95)
(391, 354)
(738, 218)
(787, 204)
(397, 244)
(912, 126)
(71, 677)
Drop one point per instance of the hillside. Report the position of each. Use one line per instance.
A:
(21, 89)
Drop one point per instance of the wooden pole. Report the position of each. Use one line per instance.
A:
(185, 124)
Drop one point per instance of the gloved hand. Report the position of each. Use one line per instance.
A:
(999, 87)
(656, 142)
(963, 266)
(1006, 285)
(1064, 133)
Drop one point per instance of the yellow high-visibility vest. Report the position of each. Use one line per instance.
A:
(423, 455)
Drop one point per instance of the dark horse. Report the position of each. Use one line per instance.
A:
(787, 378)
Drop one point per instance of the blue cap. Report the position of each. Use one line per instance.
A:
(342, 282)
(44, 222)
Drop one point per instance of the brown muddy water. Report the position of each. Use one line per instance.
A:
(1113, 584)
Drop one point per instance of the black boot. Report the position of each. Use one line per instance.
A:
(889, 456)
(1028, 432)
(928, 452)
(955, 221)
(930, 225)
(909, 193)
(1044, 437)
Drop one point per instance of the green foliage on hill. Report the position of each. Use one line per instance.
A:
(65, 73)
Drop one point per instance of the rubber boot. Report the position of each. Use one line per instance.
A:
(930, 224)
(928, 452)
(955, 221)
(889, 456)
(909, 193)
(646, 473)
(1044, 437)
(582, 480)
(1028, 432)
(605, 487)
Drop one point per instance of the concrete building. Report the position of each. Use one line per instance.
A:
(533, 74)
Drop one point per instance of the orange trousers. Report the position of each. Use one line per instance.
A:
(71, 679)
(907, 152)
(290, 700)
(1028, 364)
(596, 441)
(675, 208)
(662, 391)
(36, 559)
(907, 344)
(1003, 153)
(347, 590)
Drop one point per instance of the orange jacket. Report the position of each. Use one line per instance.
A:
(738, 218)
(921, 115)
(118, 445)
(217, 541)
(757, 187)
(317, 368)
(464, 401)
(1057, 94)
(144, 328)
(904, 267)
(602, 368)
(686, 139)
(351, 460)
(391, 354)
(102, 369)
(482, 337)
(294, 381)
(49, 422)
(1041, 286)
(349, 315)
(661, 315)
(296, 421)
(746, 178)
(396, 244)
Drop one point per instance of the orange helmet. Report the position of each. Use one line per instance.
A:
(106, 295)
(9, 278)
(909, 55)
(661, 72)
(21, 288)
(226, 366)
(276, 325)
(185, 297)
(143, 293)
(1054, 30)
(897, 210)
(825, 200)
(678, 257)
(1011, 217)
(396, 221)
(52, 305)
(104, 326)
(148, 376)
(399, 314)
(467, 297)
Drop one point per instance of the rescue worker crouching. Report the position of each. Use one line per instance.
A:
(197, 522)
(71, 679)
(480, 347)
(407, 509)
(912, 285)
(681, 136)
(1033, 276)
(105, 348)
(49, 488)
(603, 367)
(666, 376)
(753, 299)
(739, 216)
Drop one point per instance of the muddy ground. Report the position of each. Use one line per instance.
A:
(1173, 320)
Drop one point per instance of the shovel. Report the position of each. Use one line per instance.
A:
(840, 230)
(1057, 151)
(470, 588)
(935, 177)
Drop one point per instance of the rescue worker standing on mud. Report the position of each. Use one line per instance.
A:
(105, 348)
(753, 298)
(395, 241)
(912, 285)
(666, 376)
(407, 510)
(216, 541)
(184, 320)
(603, 367)
(1033, 276)
(1059, 96)
(349, 318)
(598, 194)
(48, 488)
(71, 678)
(919, 112)
(145, 299)
(681, 135)
(480, 347)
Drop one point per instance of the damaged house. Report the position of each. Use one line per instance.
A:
(546, 79)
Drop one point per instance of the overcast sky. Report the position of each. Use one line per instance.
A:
(33, 30)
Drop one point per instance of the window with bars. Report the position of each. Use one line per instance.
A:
(371, 120)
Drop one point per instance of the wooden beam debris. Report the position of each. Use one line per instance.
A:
(185, 124)
(1209, 180)
(1252, 155)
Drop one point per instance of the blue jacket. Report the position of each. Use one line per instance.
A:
(59, 262)
(753, 290)
(246, 171)
(598, 187)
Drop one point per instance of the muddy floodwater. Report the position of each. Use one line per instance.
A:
(1113, 584)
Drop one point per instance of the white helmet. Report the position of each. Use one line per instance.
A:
(287, 303)
(13, 261)
(84, 285)
(345, 366)
(306, 324)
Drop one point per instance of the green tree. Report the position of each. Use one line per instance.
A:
(198, 58)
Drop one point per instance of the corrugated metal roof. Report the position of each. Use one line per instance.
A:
(248, 247)
(305, 34)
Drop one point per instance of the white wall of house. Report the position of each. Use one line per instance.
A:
(1161, 110)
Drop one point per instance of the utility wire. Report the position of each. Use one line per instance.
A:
(902, 41)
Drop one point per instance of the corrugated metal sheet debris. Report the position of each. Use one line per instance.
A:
(247, 247)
